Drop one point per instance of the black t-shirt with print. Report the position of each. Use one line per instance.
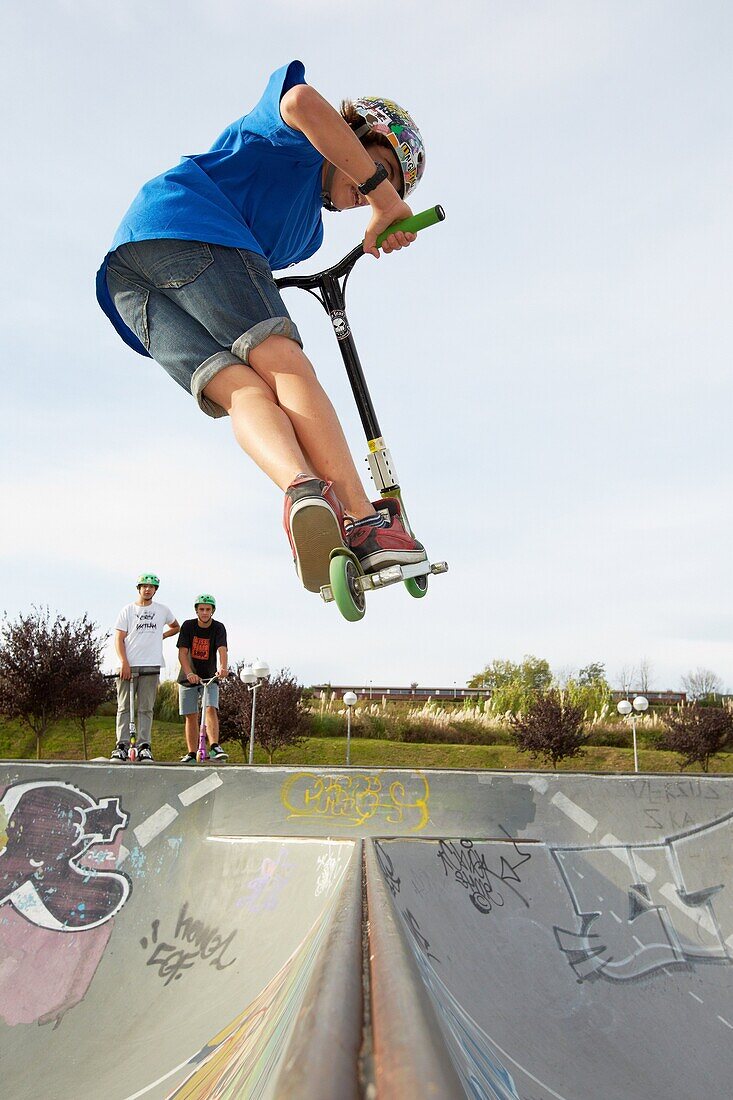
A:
(202, 644)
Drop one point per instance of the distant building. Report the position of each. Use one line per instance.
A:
(420, 694)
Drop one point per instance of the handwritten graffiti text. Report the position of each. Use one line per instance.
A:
(193, 941)
(479, 876)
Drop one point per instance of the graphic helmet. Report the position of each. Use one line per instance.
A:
(389, 120)
(148, 578)
(205, 597)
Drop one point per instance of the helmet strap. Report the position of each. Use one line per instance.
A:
(326, 199)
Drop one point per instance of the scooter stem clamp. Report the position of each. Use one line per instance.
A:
(381, 466)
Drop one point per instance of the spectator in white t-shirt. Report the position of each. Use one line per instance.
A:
(139, 633)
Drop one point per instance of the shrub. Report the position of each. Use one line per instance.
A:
(166, 703)
(329, 725)
(281, 717)
(551, 728)
(698, 732)
(614, 737)
(49, 669)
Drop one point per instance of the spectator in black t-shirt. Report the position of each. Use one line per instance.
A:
(201, 642)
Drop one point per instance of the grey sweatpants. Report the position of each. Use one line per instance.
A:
(146, 688)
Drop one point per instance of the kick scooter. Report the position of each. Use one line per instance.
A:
(132, 751)
(348, 581)
(202, 752)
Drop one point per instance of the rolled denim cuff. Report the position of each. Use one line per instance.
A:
(203, 375)
(253, 337)
(241, 349)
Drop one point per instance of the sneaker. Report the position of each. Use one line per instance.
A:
(378, 547)
(216, 752)
(313, 518)
(189, 758)
(119, 753)
(144, 754)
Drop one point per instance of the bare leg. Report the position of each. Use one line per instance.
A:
(192, 732)
(283, 419)
(260, 426)
(212, 725)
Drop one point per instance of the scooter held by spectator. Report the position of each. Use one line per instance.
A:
(202, 753)
(133, 754)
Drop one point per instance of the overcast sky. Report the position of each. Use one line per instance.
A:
(551, 366)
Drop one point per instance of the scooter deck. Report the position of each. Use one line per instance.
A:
(382, 578)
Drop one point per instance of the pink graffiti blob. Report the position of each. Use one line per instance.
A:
(43, 974)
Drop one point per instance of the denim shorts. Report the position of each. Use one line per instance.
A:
(196, 307)
(190, 696)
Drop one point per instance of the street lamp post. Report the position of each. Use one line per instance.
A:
(253, 675)
(349, 703)
(625, 708)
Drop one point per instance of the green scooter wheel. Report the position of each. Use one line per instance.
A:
(349, 598)
(417, 586)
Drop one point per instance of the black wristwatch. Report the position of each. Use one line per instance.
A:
(373, 181)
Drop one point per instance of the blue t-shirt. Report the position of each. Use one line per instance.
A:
(258, 187)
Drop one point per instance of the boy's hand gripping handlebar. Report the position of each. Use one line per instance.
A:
(319, 281)
(414, 224)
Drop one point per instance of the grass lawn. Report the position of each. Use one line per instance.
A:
(63, 742)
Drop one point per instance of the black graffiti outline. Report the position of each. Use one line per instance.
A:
(413, 927)
(584, 947)
(51, 827)
(387, 868)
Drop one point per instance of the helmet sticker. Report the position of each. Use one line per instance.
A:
(389, 120)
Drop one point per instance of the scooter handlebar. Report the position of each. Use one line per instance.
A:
(414, 224)
(341, 270)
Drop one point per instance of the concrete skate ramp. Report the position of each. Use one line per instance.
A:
(196, 932)
(556, 972)
(185, 970)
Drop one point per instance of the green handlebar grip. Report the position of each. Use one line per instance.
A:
(414, 224)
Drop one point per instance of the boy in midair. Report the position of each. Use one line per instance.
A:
(188, 281)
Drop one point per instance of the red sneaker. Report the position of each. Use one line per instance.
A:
(378, 547)
(313, 519)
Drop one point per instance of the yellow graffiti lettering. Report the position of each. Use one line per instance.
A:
(353, 800)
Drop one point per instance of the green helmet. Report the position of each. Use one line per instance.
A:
(205, 597)
(148, 578)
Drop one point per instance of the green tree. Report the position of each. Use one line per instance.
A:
(533, 673)
(594, 673)
(551, 728)
(590, 690)
(513, 686)
(498, 674)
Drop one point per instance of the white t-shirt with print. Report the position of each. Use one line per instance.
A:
(144, 627)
